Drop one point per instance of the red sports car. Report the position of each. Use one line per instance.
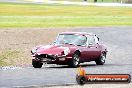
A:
(70, 48)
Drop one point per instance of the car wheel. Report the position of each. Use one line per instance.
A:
(75, 60)
(101, 60)
(36, 64)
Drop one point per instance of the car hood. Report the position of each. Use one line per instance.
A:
(51, 49)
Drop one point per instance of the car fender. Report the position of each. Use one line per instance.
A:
(104, 49)
(73, 50)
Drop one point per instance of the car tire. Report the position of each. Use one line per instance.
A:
(36, 64)
(101, 60)
(75, 60)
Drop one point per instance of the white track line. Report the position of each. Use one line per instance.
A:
(67, 3)
(85, 3)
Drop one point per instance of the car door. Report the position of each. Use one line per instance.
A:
(92, 50)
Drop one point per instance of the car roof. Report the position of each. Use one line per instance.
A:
(80, 33)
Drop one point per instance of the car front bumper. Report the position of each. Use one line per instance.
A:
(55, 59)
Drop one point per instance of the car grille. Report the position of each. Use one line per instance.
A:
(52, 57)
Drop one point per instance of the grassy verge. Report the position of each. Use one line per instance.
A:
(64, 21)
(11, 57)
(32, 15)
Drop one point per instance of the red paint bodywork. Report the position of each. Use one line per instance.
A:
(88, 53)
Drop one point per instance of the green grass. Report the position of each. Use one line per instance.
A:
(33, 15)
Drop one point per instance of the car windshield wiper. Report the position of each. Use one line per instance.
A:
(69, 43)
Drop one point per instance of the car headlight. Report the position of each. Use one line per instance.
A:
(33, 50)
(66, 51)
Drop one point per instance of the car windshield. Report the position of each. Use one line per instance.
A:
(72, 39)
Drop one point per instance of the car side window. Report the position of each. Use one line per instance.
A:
(82, 40)
(91, 40)
(96, 39)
